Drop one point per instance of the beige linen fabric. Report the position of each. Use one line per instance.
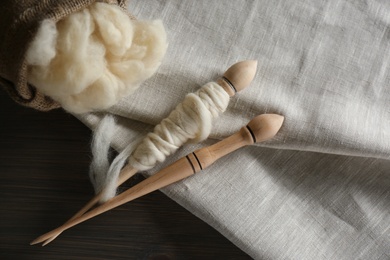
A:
(320, 188)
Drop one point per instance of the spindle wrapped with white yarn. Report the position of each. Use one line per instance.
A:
(190, 120)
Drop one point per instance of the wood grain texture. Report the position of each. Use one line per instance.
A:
(44, 160)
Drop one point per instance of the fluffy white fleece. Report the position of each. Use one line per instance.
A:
(93, 58)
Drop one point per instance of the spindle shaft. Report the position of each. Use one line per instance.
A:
(261, 128)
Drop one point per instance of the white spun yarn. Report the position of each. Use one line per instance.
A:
(190, 120)
(112, 174)
(92, 58)
(100, 147)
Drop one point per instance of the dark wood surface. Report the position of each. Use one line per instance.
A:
(44, 160)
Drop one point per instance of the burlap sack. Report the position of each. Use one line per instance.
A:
(19, 22)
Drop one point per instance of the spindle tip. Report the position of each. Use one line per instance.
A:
(265, 126)
(238, 76)
(36, 241)
(45, 237)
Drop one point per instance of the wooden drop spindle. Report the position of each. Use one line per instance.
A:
(259, 129)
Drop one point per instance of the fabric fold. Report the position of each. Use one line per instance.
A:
(320, 188)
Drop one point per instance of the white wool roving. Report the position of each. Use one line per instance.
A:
(43, 49)
(190, 120)
(101, 172)
(100, 147)
(92, 58)
(112, 174)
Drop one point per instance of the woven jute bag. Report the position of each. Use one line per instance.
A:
(19, 22)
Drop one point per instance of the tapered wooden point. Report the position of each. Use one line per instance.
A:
(238, 76)
(47, 236)
(265, 126)
(126, 173)
(36, 241)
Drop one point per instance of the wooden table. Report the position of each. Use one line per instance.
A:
(44, 160)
